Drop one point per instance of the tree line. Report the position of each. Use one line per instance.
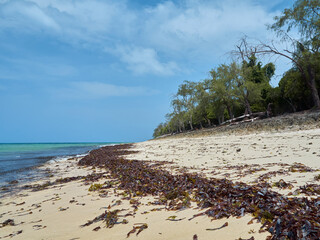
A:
(242, 87)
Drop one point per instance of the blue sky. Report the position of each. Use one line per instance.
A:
(100, 70)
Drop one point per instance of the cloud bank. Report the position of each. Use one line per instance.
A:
(161, 39)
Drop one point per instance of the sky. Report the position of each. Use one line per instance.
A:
(106, 71)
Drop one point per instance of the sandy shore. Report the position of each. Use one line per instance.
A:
(58, 211)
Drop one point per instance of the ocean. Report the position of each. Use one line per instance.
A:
(19, 161)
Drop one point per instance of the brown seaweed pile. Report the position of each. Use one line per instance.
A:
(283, 217)
(88, 178)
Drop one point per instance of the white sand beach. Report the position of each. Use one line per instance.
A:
(58, 211)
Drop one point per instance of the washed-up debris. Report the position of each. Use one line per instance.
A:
(63, 209)
(218, 228)
(13, 234)
(95, 187)
(38, 227)
(252, 238)
(282, 184)
(87, 178)
(111, 218)
(96, 229)
(299, 167)
(8, 222)
(175, 219)
(18, 204)
(284, 217)
(140, 227)
(317, 177)
(310, 189)
(266, 176)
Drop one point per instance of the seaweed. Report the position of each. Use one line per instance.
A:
(299, 167)
(175, 219)
(95, 187)
(282, 184)
(284, 217)
(140, 228)
(218, 228)
(111, 218)
(8, 222)
(87, 178)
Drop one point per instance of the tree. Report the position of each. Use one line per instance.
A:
(223, 84)
(178, 115)
(305, 17)
(254, 81)
(203, 105)
(295, 91)
(186, 92)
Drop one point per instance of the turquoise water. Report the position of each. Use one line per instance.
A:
(31, 147)
(19, 161)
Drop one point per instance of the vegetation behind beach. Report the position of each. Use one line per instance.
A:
(243, 87)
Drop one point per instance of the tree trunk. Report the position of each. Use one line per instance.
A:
(209, 122)
(313, 87)
(247, 106)
(294, 109)
(219, 120)
(230, 112)
(269, 110)
(190, 122)
(222, 118)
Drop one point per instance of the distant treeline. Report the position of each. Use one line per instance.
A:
(243, 87)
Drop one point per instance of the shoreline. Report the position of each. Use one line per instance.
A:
(42, 157)
(62, 210)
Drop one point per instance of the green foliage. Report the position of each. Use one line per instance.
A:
(303, 16)
(214, 100)
(237, 88)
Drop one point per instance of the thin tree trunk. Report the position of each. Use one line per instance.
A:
(190, 122)
(294, 109)
(209, 122)
(247, 106)
(219, 120)
(230, 112)
(222, 118)
(313, 86)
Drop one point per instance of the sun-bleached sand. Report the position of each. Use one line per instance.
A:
(58, 211)
(241, 157)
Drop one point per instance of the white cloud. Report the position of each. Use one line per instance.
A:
(165, 38)
(98, 90)
(203, 26)
(144, 60)
(26, 15)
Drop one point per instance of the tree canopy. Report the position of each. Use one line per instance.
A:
(243, 87)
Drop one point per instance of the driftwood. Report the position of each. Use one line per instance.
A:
(248, 117)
